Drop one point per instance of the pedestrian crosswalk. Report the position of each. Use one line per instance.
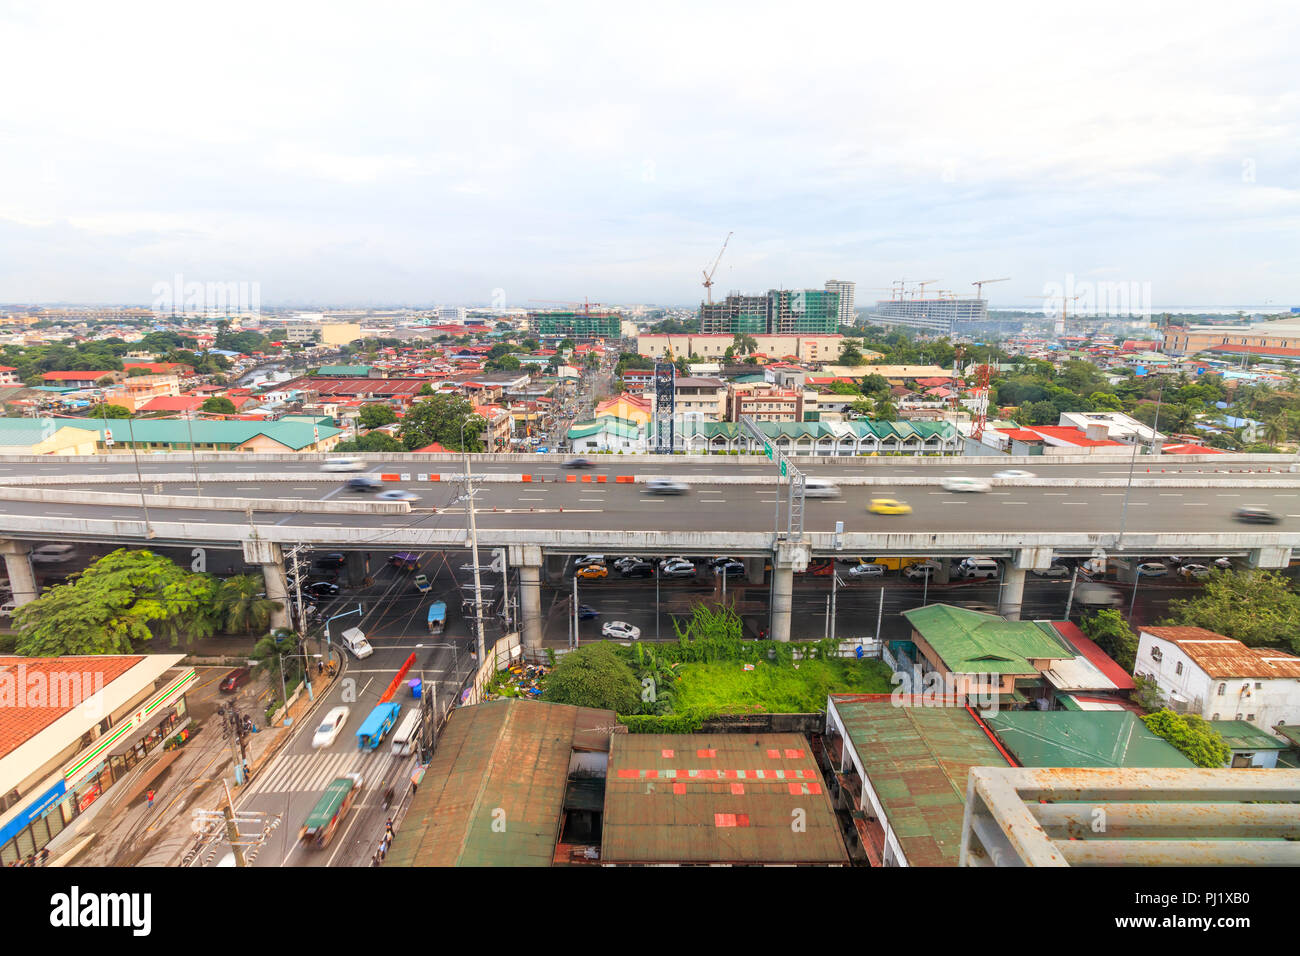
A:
(305, 773)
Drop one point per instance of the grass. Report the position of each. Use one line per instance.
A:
(725, 687)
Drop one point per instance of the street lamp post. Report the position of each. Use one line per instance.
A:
(473, 539)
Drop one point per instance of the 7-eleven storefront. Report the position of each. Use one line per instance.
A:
(75, 726)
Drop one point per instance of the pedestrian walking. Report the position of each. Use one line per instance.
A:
(149, 799)
(45, 856)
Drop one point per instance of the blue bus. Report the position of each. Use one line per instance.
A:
(437, 617)
(379, 723)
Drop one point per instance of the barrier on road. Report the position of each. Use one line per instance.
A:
(193, 502)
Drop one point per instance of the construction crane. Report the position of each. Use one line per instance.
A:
(979, 285)
(923, 283)
(1065, 308)
(586, 306)
(708, 276)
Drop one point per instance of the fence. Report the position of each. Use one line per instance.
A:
(499, 657)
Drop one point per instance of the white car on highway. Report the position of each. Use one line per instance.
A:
(1152, 569)
(1053, 571)
(330, 726)
(397, 494)
(53, 553)
(343, 464)
(621, 631)
(1013, 473)
(964, 483)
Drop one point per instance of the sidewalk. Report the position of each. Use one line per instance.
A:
(126, 832)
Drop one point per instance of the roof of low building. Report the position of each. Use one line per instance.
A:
(1082, 738)
(717, 798)
(1243, 735)
(24, 432)
(294, 435)
(975, 642)
(917, 760)
(504, 760)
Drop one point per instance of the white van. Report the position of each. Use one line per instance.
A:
(407, 736)
(977, 567)
(819, 488)
(354, 639)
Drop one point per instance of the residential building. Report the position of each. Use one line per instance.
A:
(1250, 746)
(779, 312)
(625, 408)
(900, 775)
(579, 326)
(1114, 426)
(9, 376)
(944, 316)
(764, 402)
(451, 314)
(608, 435)
(700, 397)
(95, 719)
(80, 379)
(323, 333)
(844, 290)
(802, 348)
(1219, 678)
(1189, 339)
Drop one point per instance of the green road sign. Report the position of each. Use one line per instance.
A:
(767, 449)
(782, 467)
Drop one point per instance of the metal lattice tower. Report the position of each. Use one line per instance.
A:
(665, 405)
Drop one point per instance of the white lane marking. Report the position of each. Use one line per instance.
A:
(957, 502)
(1171, 494)
(1196, 504)
(1074, 502)
(1015, 502)
(532, 499)
(1112, 494)
(653, 501)
(1227, 496)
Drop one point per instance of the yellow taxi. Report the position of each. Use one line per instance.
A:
(592, 571)
(889, 506)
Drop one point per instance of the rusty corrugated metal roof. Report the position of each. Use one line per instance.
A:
(717, 798)
(917, 760)
(504, 762)
(1221, 656)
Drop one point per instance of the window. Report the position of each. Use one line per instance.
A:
(1155, 653)
(1259, 685)
(1178, 668)
(1214, 717)
(1250, 716)
(1222, 688)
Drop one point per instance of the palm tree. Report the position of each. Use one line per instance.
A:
(243, 607)
(1275, 431)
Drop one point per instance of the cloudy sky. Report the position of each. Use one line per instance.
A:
(423, 153)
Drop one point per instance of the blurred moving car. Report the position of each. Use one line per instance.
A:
(364, 483)
(678, 569)
(1256, 514)
(819, 488)
(335, 559)
(579, 463)
(235, 680)
(343, 464)
(889, 506)
(1052, 571)
(1152, 569)
(640, 569)
(328, 730)
(591, 572)
(586, 612)
(921, 570)
(320, 589)
(1013, 473)
(963, 483)
(53, 553)
(665, 486)
(621, 631)
(731, 569)
(1193, 572)
(397, 494)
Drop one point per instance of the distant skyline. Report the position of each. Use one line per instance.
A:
(473, 154)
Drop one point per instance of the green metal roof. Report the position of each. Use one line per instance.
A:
(1087, 738)
(175, 431)
(917, 760)
(717, 798)
(358, 370)
(971, 642)
(1291, 732)
(819, 431)
(505, 761)
(1243, 735)
(329, 803)
(615, 426)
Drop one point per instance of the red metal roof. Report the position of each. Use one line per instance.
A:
(18, 724)
(1221, 656)
(1095, 655)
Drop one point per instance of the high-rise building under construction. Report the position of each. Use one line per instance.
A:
(932, 316)
(845, 291)
(583, 324)
(779, 312)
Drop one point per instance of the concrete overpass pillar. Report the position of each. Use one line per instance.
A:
(1274, 557)
(356, 568)
(555, 565)
(268, 556)
(1012, 592)
(528, 559)
(754, 570)
(789, 559)
(943, 573)
(22, 581)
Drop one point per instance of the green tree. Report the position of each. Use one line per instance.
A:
(1038, 413)
(1192, 736)
(1108, 629)
(242, 606)
(594, 676)
(113, 606)
(1256, 606)
(1105, 402)
(850, 354)
(1147, 693)
(108, 411)
(506, 363)
(372, 442)
(863, 407)
(137, 372)
(426, 389)
(874, 385)
(376, 414)
(885, 411)
(439, 419)
(744, 343)
(278, 649)
(218, 406)
(844, 388)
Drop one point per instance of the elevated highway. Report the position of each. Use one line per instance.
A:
(534, 507)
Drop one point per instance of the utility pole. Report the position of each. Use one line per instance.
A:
(232, 830)
(473, 543)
